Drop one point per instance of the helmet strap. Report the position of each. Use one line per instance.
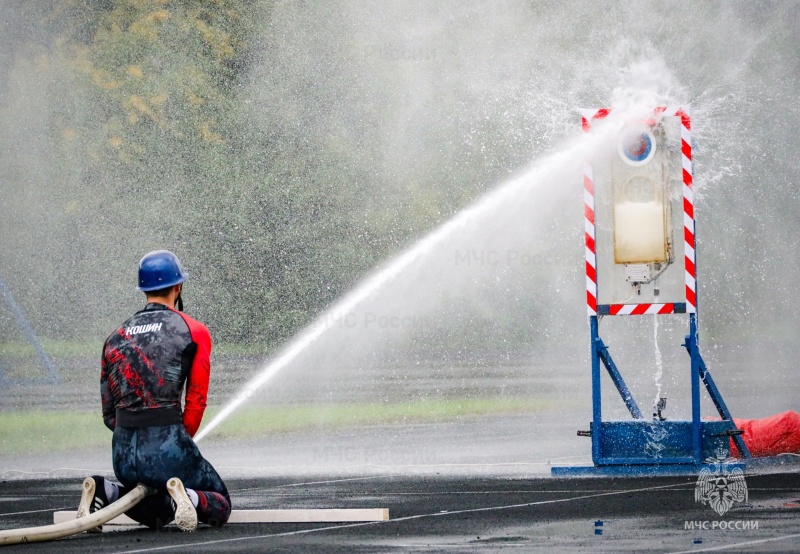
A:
(179, 303)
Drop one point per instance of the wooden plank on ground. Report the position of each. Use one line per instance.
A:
(325, 515)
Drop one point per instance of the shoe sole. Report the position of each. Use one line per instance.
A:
(185, 513)
(85, 507)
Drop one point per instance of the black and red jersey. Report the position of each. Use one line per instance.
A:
(145, 365)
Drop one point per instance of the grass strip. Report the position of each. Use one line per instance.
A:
(256, 420)
(24, 432)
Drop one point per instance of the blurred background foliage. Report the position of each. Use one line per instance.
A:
(130, 126)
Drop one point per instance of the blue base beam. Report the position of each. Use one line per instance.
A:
(781, 462)
(635, 470)
(659, 442)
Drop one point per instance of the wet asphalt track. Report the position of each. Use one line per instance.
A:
(451, 514)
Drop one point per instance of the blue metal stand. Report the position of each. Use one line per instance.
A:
(644, 447)
(26, 328)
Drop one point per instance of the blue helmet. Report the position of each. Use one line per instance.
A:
(160, 269)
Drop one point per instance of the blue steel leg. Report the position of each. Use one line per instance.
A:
(597, 414)
(704, 375)
(26, 328)
(724, 413)
(691, 345)
(616, 377)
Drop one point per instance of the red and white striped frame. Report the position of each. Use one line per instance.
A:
(587, 118)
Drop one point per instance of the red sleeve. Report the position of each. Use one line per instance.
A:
(106, 399)
(199, 375)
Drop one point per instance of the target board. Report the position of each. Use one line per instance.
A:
(639, 216)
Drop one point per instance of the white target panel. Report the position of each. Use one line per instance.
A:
(639, 209)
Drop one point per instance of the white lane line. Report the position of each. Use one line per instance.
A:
(34, 511)
(689, 487)
(313, 483)
(351, 467)
(400, 519)
(453, 493)
(737, 544)
(6, 474)
(42, 495)
(336, 481)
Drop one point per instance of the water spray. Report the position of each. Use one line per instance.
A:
(660, 401)
(581, 148)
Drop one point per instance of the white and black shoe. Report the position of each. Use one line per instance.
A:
(185, 513)
(93, 498)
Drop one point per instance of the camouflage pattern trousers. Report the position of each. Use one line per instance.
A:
(153, 455)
